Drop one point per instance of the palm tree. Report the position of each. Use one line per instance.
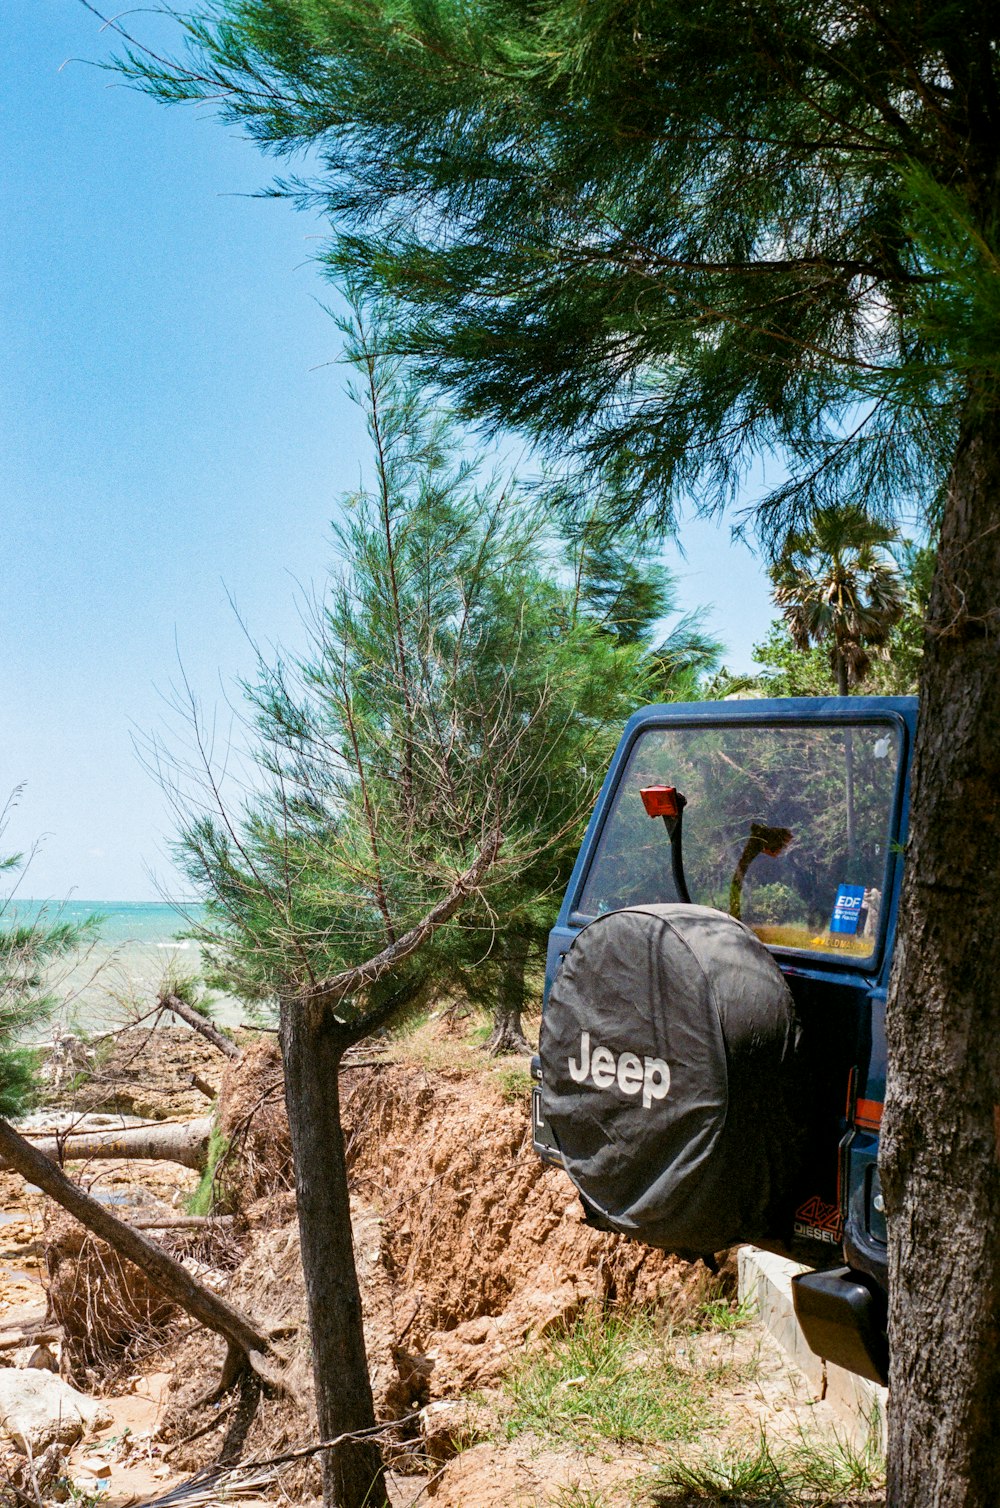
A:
(838, 586)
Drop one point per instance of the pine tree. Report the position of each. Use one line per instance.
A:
(608, 602)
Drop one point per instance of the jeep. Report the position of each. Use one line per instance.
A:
(712, 1057)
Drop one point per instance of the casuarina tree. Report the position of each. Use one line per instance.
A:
(608, 598)
(402, 777)
(34, 939)
(672, 239)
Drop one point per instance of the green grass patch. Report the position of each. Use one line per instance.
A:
(722, 1312)
(810, 1474)
(515, 1082)
(609, 1377)
(209, 1197)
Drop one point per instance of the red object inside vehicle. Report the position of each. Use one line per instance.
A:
(660, 800)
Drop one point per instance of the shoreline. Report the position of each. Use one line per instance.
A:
(106, 984)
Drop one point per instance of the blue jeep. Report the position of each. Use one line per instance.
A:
(737, 847)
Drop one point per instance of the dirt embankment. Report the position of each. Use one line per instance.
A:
(488, 1239)
(467, 1249)
(466, 1244)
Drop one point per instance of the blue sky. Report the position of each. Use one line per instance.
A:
(175, 434)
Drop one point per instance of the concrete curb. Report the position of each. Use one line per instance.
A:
(765, 1280)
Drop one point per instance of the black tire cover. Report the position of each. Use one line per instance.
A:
(668, 1077)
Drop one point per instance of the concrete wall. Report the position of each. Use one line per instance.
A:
(765, 1280)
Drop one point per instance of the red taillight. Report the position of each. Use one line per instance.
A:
(660, 801)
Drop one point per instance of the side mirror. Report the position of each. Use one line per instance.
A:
(662, 800)
(667, 802)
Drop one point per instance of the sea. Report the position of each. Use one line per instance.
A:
(137, 946)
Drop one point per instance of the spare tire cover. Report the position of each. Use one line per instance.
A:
(667, 1051)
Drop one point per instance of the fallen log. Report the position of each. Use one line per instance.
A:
(249, 1345)
(185, 1142)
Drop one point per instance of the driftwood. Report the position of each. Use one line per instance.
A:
(185, 1142)
(202, 1025)
(43, 1337)
(249, 1345)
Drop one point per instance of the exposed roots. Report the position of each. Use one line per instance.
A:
(507, 1039)
(111, 1315)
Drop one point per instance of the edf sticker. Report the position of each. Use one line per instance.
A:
(847, 909)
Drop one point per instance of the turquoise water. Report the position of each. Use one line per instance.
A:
(121, 921)
(139, 945)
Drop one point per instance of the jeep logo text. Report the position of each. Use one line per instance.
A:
(631, 1073)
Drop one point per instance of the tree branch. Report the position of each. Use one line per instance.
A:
(329, 992)
(202, 1025)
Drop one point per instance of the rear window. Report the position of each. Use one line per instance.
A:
(786, 826)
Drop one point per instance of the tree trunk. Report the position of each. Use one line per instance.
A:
(508, 1033)
(312, 1046)
(170, 1276)
(185, 1142)
(940, 1156)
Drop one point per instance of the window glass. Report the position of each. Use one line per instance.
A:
(785, 826)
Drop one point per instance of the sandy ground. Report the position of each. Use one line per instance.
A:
(122, 1460)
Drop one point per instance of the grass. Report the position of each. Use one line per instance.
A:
(205, 1198)
(609, 1377)
(575, 1496)
(515, 1082)
(444, 1042)
(719, 1311)
(428, 1040)
(808, 1474)
(735, 1476)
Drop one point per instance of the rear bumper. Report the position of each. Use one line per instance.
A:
(843, 1318)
